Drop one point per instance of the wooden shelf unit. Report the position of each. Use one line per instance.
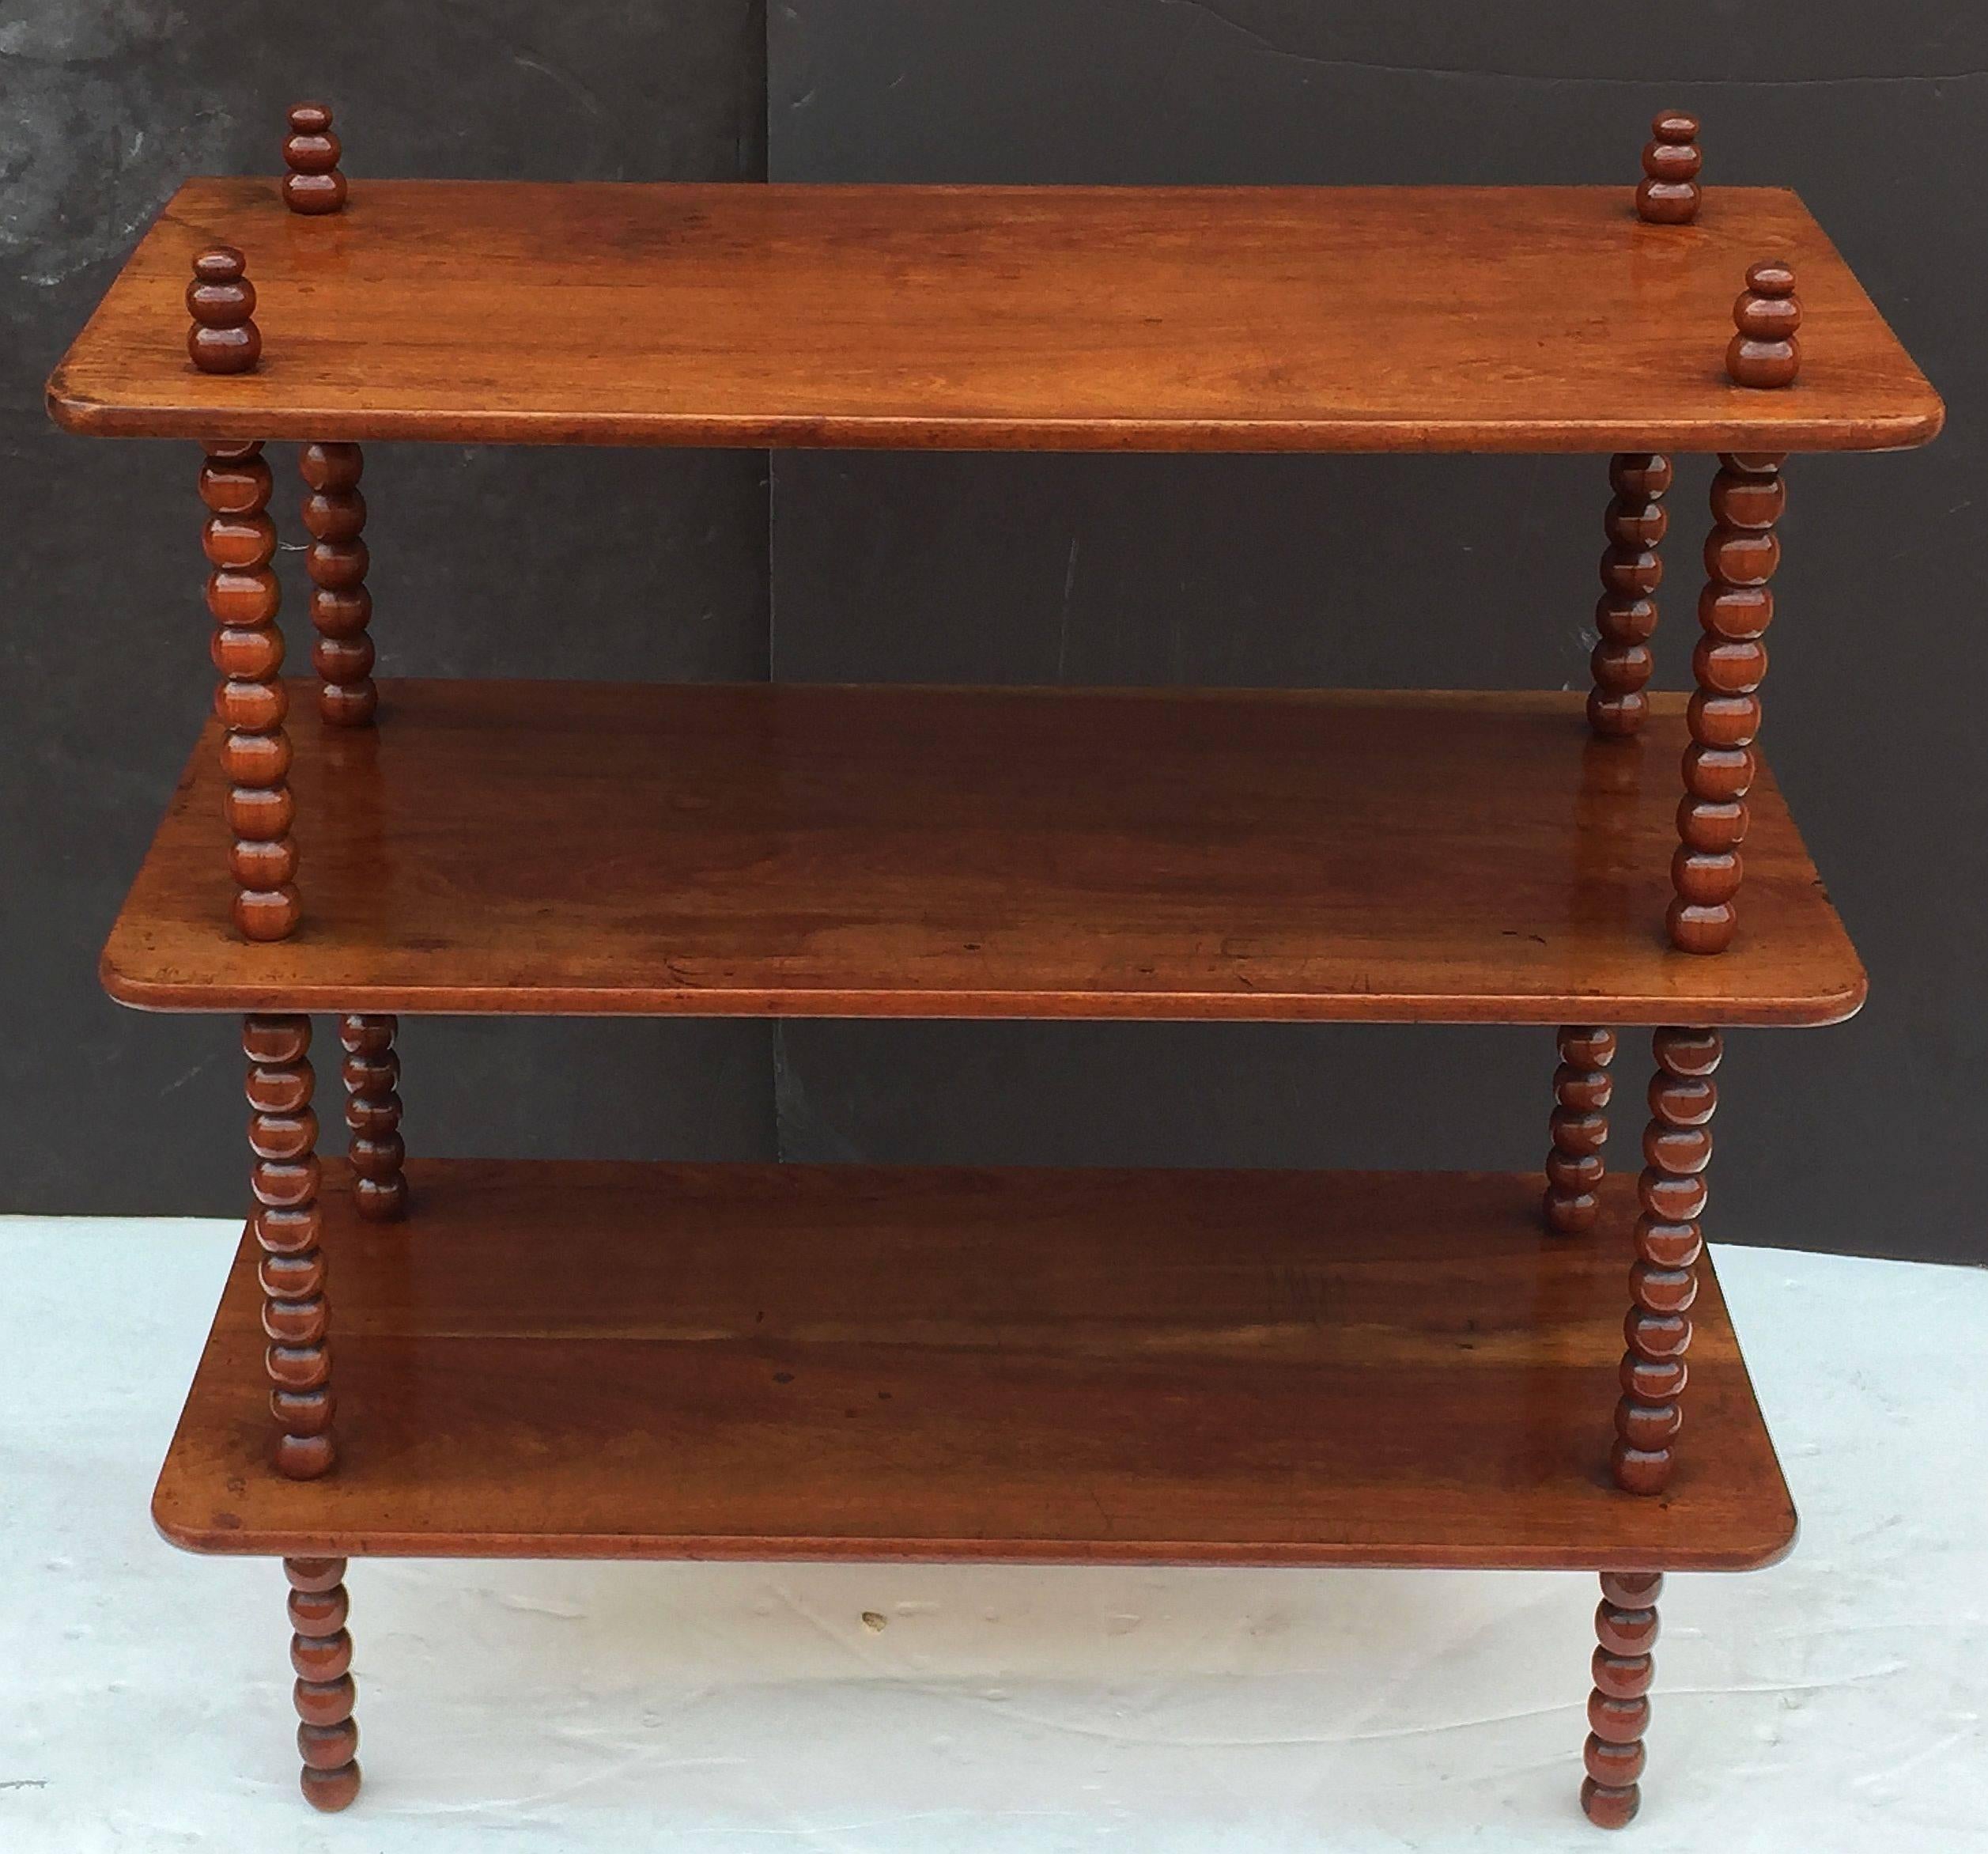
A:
(630, 1360)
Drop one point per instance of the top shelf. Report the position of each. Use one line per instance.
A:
(1077, 319)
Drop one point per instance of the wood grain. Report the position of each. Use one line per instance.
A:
(1217, 319)
(619, 1361)
(822, 851)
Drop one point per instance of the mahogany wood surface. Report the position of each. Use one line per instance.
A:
(1111, 318)
(623, 1360)
(826, 851)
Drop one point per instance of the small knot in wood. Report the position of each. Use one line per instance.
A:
(224, 337)
(311, 151)
(1670, 193)
(1764, 353)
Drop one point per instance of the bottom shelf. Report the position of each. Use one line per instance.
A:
(624, 1360)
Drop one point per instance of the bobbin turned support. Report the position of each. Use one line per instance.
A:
(1625, 616)
(223, 337)
(311, 152)
(1625, 1626)
(238, 540)
(1582, 1086)
(282, 1134)
(321, 1652)
(1663, 1283)
(334, 513)
(1730, 662)
(372, 1114)
(1669, 194)
(1764, 353)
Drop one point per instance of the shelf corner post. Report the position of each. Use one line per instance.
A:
(311, 151)
(327, 1741)
(1663, 1283)
(1625, 1627)
(373, 1110)
(1764, 353)
(1728, 664)
(1625, 617)
(243, 598)
(1574, 1167)
(334, 513)
(222, 338)
(1668, 193)
(288, 1221)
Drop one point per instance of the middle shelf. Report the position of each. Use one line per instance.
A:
(811, 850)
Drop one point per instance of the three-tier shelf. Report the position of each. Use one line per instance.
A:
(581, 1360)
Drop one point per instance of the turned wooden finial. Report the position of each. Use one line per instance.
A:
(1669, 192)
(221, 300)
(311, 150)
(1765, 352)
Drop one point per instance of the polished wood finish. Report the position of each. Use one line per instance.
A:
(321, 1652)
(334, 513)
(1668, 193)
(285, 1229)
(223, 337)
(253, 750)
(623, 1360)
(1625, 617)
(311, 152)
(1625, 1626)
(1076, 318)
(1749, 496)
(826, 851)
(372, 1115)
(1664, 1283)
(1582, 1086)
(1765, 352)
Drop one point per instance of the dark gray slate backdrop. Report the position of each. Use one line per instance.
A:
(572, 563)
(1469, 573)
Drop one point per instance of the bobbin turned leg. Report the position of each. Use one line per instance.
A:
(1619, 1708)
(1631, 570)
(1735, 608)
(372, 1114)
(283, 1134)
(341, 607)
(321, 1652)
(240, 541)
(1582, 1085)
(1677, 1147)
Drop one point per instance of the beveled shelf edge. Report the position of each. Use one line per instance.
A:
(613, 1548)
(87, 417)
(1636, 1012)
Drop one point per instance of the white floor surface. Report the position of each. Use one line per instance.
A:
(1835, 1702)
